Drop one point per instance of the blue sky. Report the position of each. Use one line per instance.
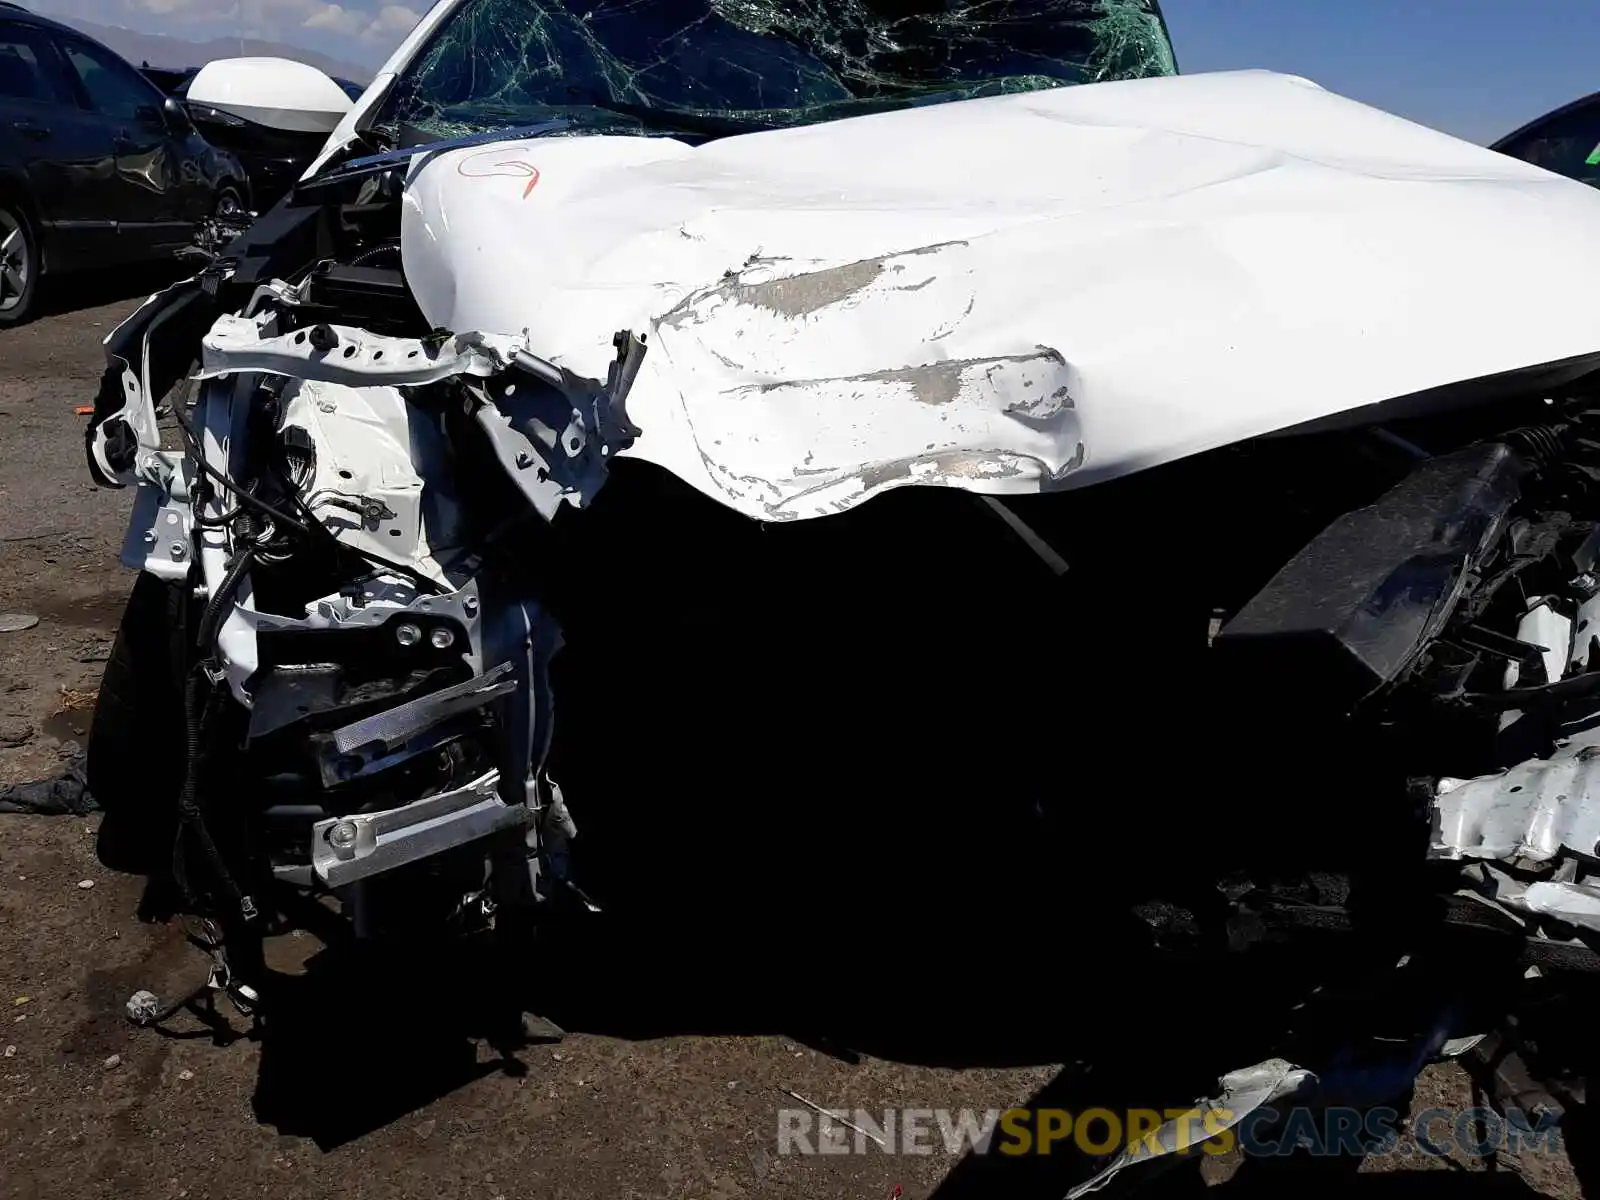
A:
(363, 32)
(1476, 68)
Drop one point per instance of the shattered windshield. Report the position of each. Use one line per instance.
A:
(714, 67)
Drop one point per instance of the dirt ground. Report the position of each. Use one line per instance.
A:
(372, 1101)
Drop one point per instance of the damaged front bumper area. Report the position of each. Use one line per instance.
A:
(359, 523)
(1529, 839)
(366, 669)
(1527, 836)
(1447, 633)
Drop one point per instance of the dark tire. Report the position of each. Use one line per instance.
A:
(21, 265)
(136, 740)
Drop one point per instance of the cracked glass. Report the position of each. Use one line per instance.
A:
(706, 68)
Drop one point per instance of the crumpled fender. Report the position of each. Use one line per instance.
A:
(145, 358)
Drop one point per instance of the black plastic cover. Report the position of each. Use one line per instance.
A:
(374, 298)
(1348, 613)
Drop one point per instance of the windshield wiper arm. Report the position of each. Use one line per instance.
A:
(672, 120)
(374, 163)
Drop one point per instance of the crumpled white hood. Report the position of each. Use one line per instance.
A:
(1011, 294)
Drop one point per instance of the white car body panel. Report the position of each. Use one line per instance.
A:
(345, 132)
(279, 93)
(1010, 294)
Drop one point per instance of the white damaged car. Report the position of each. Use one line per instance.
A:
(829, 444)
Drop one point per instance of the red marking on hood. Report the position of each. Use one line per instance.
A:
(499, 163)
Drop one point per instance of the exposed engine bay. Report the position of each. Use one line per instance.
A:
(1344, 672)
(342, 540)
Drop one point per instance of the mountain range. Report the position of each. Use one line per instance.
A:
(155, 50)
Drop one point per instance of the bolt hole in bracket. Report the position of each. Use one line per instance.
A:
(386, 606)
(346, 355)
(555, 440)
(348, 849)
(160, 528)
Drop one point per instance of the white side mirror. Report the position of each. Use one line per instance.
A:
(276, 92)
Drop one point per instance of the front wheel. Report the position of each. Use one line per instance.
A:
(19, 266)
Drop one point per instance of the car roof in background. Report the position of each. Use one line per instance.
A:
(12, 11)
(1539, 120)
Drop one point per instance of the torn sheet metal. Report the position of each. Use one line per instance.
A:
(553, 431)
(1239, 1094)
(1543, 626)
(124, 443)
(1533, 812)
(1015, 293)
(1575, 903)
(1565, 898)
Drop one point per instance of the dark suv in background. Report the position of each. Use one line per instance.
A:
(273, 159)
(97, 167)
(1566, 141)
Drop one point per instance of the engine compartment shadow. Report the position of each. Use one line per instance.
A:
(364, 1037)
(361, 1039)
(888, 785)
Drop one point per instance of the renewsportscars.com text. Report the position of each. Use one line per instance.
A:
(1434, 1132)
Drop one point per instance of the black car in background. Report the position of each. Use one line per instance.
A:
(1566, 141)
(274, 159)
(97, 167)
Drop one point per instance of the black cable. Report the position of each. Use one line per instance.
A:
(201, 687)
(198, 693)
(203, 496)
(212, 618)
(222, 522)
(376, 560)
(311, 528)
(244, 496)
